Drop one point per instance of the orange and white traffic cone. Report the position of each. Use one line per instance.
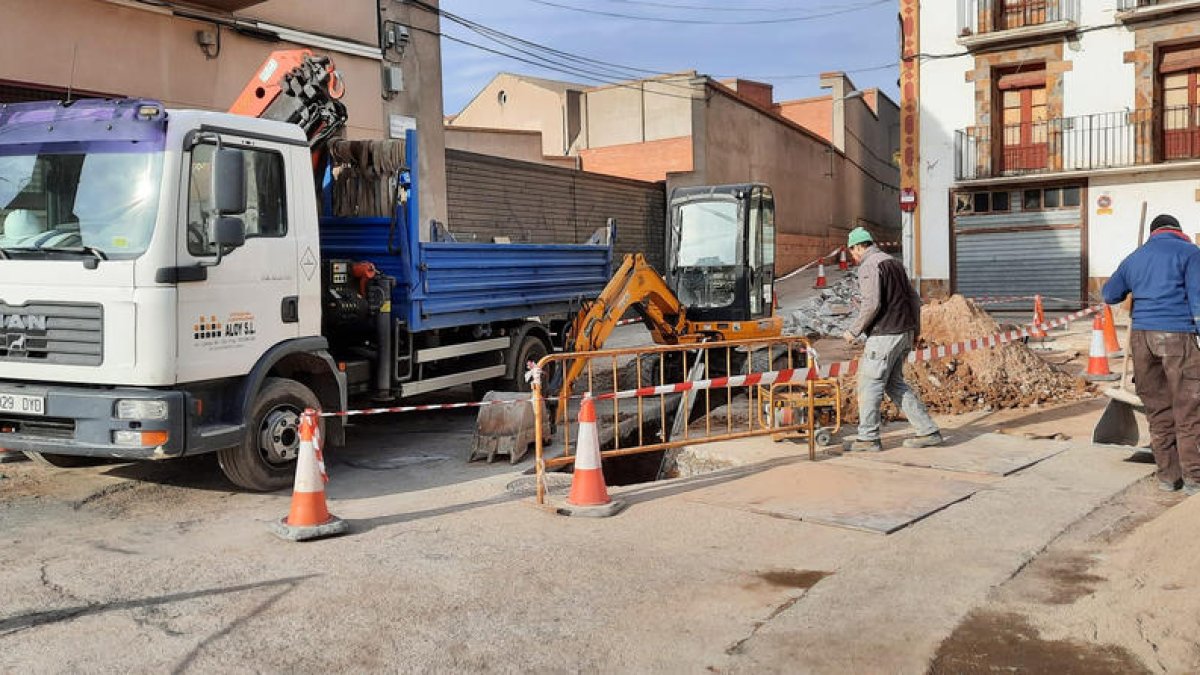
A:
(309, 517)
(1111, 344)
(1039, 318)
(843, 264)
(821, 281)
(1097, 368)
(589, 494)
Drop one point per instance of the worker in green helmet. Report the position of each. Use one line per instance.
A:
(890, 319)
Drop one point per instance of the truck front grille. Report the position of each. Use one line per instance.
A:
(37, 427)
(53, 333)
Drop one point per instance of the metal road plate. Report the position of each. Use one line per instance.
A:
(871, 499)
(995, 454)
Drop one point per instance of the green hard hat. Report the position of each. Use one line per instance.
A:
(859, 235)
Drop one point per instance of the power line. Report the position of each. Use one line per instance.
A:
(631, 72)
(708, 22)
(546, 66)
(706, 8)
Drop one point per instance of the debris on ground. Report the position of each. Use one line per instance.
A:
(1010, 376)
(829, 312)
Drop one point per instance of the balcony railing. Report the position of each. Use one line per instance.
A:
(983, 17)
(1086, 143)
(1127, 5)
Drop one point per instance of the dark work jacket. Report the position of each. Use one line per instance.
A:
(890, 304)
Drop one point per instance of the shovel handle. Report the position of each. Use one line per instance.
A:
(1129, 328)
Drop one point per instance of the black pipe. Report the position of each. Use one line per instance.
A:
(385, 338)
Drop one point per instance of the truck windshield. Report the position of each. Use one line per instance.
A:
(79, 199)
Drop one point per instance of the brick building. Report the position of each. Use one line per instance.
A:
(1035, 130)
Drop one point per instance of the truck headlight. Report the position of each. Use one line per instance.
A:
(141, 409)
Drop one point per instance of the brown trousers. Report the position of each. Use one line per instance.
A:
(1167, 371)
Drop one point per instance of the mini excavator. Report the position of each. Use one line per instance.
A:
(719, 283)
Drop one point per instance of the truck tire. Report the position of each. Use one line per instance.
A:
(531, 349)
(62, 461)
(265, 460)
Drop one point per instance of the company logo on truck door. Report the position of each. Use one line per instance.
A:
(213, 333)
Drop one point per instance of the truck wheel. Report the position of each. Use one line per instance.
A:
(531, 349)
(266, 458)
(62, 461)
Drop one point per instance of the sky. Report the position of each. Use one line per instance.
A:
(776, 52)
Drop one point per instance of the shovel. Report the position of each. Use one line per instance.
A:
(1118, 425)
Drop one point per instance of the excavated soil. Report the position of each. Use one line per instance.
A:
(1011, 376)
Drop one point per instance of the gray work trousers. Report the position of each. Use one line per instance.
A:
(882, 371)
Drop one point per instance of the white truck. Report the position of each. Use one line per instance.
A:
(168, 288)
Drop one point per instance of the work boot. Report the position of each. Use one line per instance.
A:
(1191, 489)
(1170, 486)
(858, 445)
(924, 441)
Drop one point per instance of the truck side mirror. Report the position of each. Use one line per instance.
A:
(229, 182)
(229, 232)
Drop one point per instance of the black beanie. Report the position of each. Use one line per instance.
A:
(1165, 221)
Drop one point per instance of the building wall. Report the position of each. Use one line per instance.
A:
(650, 161)
(819, 194)
(814, 114)
(1105, 68)
(527, 202)
(649, 110)
(528, 105)
(523, 146)
(120, 50)
(102, 47)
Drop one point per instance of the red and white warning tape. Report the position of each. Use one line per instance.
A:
(810, 265)
(831, 370)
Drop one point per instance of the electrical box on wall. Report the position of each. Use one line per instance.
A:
(393, 80)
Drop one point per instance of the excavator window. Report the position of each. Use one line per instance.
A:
(708, 253)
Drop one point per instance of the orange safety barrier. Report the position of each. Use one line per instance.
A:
(666, 421)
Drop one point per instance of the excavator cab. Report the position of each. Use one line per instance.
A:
(721, 251)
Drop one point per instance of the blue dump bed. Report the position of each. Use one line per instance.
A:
(448, 284)
(451, 284)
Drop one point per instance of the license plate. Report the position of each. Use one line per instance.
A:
(22, 404)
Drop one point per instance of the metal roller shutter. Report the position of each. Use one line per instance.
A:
(1021, 253)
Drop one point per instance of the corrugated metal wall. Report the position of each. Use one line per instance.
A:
(535, 203)
(1043, 256)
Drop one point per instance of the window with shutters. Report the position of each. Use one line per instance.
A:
(1023, 118)
(1179, 102)
(1020, 13)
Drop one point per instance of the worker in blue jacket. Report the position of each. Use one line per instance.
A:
(1164, 278)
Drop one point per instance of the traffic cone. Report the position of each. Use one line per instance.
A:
(589, 494)
(843, 264)
(1039, 318)
(309, 517)
(821, 281)
(1111, 344)
(1097, 368)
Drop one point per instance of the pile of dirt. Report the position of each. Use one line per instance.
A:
(1004, 377)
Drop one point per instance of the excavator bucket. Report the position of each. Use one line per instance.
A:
(1119, 425)
(505, 428)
